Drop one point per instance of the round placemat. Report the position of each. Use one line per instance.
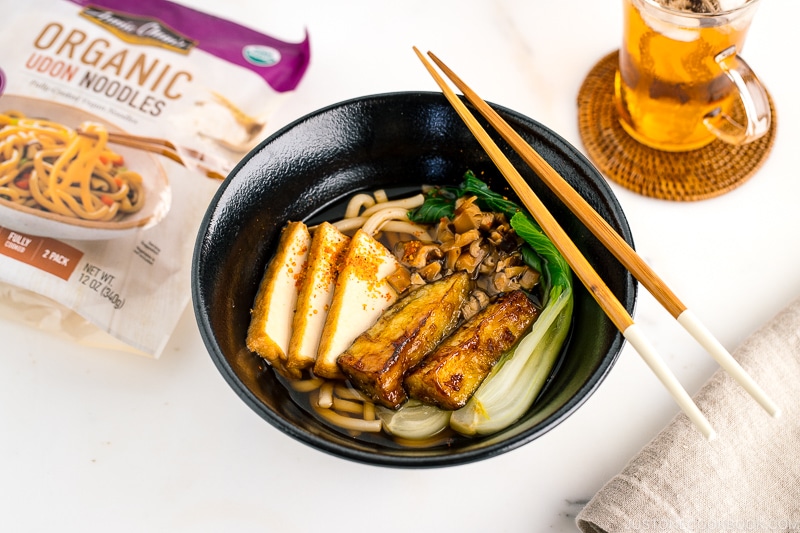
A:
(685, 176)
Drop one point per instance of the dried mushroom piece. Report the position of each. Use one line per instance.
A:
(417, 254)
(400, 279)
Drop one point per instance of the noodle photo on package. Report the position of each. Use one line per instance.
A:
(48, 166)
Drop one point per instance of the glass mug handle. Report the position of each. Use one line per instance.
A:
(754, 101)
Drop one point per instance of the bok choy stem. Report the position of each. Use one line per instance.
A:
(516, 380)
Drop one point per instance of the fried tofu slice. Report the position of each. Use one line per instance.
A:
(450, 375)
(379, 358)
(360, 296)
(271, 318)
(325, 261)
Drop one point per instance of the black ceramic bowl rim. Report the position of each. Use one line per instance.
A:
(223, 233)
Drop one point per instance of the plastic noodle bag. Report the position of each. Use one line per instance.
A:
(96, 237)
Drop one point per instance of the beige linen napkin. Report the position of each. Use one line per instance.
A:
(747, 479)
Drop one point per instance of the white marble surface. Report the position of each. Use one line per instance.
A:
(102, 441)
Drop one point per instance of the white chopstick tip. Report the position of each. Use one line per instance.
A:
(698, 330)
(648, 353)
(704, 426)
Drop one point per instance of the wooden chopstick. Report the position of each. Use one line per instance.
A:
(143, 144)
(615, 244)
(160, 147)
(580, 266)
(185, 156)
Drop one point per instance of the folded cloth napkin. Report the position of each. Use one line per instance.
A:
(747, 479)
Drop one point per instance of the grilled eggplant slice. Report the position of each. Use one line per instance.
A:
(449, 376)
(378, 359)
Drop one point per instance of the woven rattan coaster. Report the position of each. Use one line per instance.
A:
(696, 175)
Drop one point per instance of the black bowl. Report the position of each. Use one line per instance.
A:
(395, 141)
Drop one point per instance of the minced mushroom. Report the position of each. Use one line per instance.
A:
(529, 279)
(431, 271)
(477, 301)
(443, 231)
(400, 279)
(416, 254)
(466, 238)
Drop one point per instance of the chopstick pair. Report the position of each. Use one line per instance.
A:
(187, 157)
(610, 239)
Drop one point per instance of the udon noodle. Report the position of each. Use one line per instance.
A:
(48, 166)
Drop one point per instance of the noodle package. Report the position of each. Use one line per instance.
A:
(117, 120)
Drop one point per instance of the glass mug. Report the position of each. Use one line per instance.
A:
(680, 77)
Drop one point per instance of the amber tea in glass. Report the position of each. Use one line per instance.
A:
(681, 79)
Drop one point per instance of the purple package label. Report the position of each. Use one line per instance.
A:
(281, 64)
